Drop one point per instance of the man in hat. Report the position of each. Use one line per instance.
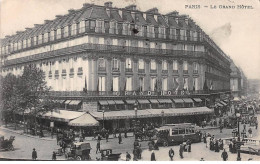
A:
(34, 154)
(171, 153)
(153, 156)
(224, 155)
(54, 156)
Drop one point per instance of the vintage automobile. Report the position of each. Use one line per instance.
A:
(172, 134)
(7, 144)
(79, 151)
(107, 155)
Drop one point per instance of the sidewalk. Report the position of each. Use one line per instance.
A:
(21, 132)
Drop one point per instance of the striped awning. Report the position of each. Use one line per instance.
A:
(103, 102)
(219, 104)
(111, 102)
(67, 102)
(119, 102)
(62, 115)
(165, 101)
(197, 99)
(75, 102)
(130, 101)
(187, 100)
(84, 120)
(178, 101)
(154, 101)
(143, 101)
(222, 102)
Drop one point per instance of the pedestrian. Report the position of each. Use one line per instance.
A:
(256, 125)
(181, 150)
(125, 133)
(54, 156)
(216, 146)
(107, 136)
(250, 133)
(99, 138)
(202, 159)
(98, 147)
(171, 154)
(119, 138)
(128, 156)
(221, 128)
(153, 156)
(244, 127)
(224, 155)
(189, 145)
(34, 154)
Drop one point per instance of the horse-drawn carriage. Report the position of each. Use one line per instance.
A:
(79, 151)
(108, 155)
(144, 135)
(7, 144)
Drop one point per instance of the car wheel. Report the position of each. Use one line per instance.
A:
(78, 158)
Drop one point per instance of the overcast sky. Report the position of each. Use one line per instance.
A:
(236, 31)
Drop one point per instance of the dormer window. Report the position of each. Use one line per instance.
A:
(113, 27)
(40, 39)
(183, 34)
(126, 30)
(66, 31)
(58, 33)
(150, 31)
(74, 29)
(35, 40)
(100, 26)
(24, 43)
(162, 32)
(82, 26)
(15, 46)
(29, 41)
(46, 37)
(52, 35)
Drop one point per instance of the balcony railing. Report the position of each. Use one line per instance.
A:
(101, 68)
(115, 69)
(102, 47)
(165, 71)
(175, 71)
(153, 71)
(195, 71)
(128, 70)
(185, 72)
(141, 70)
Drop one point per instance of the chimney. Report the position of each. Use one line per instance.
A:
(131, 7)
(71, 11)
(36, 25)
(85, 5)
(145, 16)
(28, 28)
(133, 15)
(46, 21)
(108, 4)
(18, 32)
(108, 12)
(153, 10)
(174, 13)
(58, 16)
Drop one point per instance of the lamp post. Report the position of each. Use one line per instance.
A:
(162, 117)
(238, 139)
(135, 108)
(103, 108)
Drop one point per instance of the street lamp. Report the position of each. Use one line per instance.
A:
(238, 139)
(162, 117)
(135, 109)
(103, 108)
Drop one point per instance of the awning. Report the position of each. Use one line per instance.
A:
(187, 100)
(119, 102)
(178, 101)
(222, 102)
(154, 101)
(103, 102)
(60, 101)
(197, 99)
(74, 102)
(67, 102)
(164, 101)
(130, 101)
(63, 115)
(143, 101)
(219, 104)
(111, 102)
(149, 113)
(236, 99)
(84, 120)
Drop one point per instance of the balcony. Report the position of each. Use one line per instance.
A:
(185, 72)
(153, 71)
(115, 69)
(141, 70)
(102, 69)
(63, 73)
(128, 70)
(165, 71)
(101, 48)
(195, 71)
(175, 71)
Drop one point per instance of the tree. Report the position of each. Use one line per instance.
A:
(34, 91)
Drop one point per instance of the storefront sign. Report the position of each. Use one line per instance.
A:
(152, 93)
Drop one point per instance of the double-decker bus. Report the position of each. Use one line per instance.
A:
(172, 134)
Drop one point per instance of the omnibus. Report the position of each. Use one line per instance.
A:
(172, 134)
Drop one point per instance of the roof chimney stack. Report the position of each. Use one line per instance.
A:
(85, 5)
(131, 7)
(108, 4)
(153, 10)
(46, 21)
(71, 11)
(58, 16)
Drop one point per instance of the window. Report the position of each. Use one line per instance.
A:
(40, 39)
(29, 42)
(172, 33)
(141, 64)
(52, 35)
(175, 65)
(153, 65)
(74, 29)
(162, 32)
(115, 64)
(24, 43)
(80, 71)
(19, 45)
(164, 65)
(182, 33)
(196, 84)
(126, 27)
(115, 84)
(185, 65)
(113, 27)
(141, 84)
(129, 84)
(185, 84)
(195, 66)
(153, 84)
(66, 31)
(58, 35)
(128, 63)
(165, 84)
(82, 26)
(92, 24)
(15, 46)
(101, 64)
(45, 36)
(151, 31)
(101, 83)
(100, 26)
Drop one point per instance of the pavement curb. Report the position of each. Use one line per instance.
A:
(21, 133)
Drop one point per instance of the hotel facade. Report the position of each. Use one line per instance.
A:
(119, 64)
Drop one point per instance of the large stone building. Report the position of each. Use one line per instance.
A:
(107, 59)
